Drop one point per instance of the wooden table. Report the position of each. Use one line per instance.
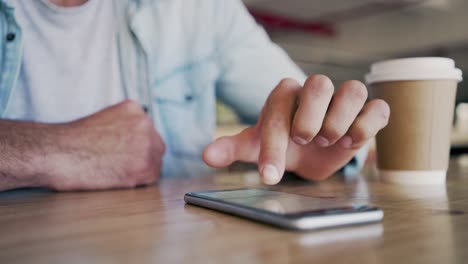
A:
(153, 225)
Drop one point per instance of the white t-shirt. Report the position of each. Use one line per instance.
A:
(70, 67)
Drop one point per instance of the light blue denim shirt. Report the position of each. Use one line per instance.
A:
(177, 57)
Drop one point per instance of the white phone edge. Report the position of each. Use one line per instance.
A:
(303, 223)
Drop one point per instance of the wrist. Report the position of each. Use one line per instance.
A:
(50, 157)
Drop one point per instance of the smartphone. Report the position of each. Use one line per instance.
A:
(286, 210)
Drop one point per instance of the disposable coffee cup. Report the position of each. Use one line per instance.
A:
(414, 148)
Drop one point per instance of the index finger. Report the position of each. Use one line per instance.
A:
(275, 129)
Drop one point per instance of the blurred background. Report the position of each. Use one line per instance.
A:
(341, 38)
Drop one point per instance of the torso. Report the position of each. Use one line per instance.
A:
(70, 66)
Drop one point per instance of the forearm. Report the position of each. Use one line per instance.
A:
(116, 147)
(25, 148)
(250, 64)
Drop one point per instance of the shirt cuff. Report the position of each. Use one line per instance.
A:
(355, 165)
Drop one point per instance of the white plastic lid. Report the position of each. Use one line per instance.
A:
(414, 69)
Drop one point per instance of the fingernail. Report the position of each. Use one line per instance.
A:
(300, 141)
(270, 175)
(322, 142)
(346, 142)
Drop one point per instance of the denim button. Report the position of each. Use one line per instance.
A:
(10, 36)
(188, 97)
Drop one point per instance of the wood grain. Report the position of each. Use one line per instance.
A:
(153, 225)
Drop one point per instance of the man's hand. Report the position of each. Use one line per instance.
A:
(115, 148)
(309, 130)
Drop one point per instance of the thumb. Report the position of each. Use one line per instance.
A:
(226, 150)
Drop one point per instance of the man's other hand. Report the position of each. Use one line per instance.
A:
(117, 147)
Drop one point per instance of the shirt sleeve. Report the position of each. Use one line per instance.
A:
(252, 65)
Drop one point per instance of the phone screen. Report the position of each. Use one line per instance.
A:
(278, 202)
